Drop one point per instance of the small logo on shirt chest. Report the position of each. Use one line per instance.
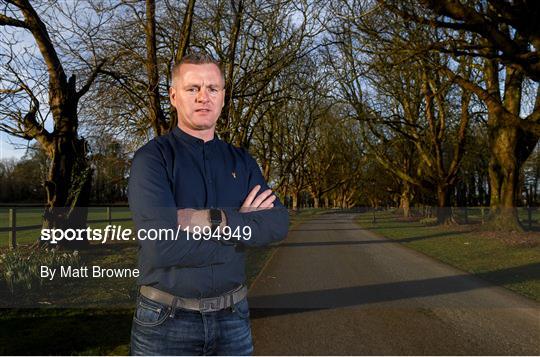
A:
(234, 174)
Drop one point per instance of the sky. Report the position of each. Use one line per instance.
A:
(11, 147)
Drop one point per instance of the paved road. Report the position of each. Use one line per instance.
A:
(334, 288)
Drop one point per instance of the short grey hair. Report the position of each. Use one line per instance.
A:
(196, 58)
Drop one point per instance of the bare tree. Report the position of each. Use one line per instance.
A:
(262, 42)
(68, 181)
(410, 108)
(507, 38)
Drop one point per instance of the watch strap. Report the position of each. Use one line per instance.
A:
(215, 218)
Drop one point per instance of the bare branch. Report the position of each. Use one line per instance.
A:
(91, 79)
(9, 21)
(11, 91)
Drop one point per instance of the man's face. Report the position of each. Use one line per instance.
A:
(198, 96)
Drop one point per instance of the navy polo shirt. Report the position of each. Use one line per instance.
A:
(176, 171)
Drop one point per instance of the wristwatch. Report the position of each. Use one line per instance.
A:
(215, 218)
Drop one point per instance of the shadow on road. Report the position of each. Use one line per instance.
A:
(283, 304)
(356, 242)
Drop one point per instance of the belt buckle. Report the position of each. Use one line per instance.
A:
(209, 304)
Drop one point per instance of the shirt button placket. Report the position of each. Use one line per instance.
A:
(208, 173)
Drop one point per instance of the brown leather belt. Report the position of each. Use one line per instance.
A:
(203, 305)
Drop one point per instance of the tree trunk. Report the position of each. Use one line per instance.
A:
(315, 201)
(509, 146)
(405, 200)
(155, 113)
(444, 213)
(228, 108)
(266, 170)
(185, 34)
(295, 201)
(503, 177)
(68, 189)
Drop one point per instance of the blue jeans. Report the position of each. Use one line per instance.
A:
(158, 330)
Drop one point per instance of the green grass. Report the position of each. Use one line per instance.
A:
(476, 215)
(509, 261)
(90, 330)
(100, 324)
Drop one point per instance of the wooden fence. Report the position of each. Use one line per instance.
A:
(12, 227)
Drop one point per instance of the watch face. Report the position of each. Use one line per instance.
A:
(215, 216)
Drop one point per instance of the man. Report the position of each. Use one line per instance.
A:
(192, 297)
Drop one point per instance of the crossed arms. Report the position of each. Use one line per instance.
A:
(153, 206)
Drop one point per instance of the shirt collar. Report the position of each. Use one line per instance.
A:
(192, 140)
